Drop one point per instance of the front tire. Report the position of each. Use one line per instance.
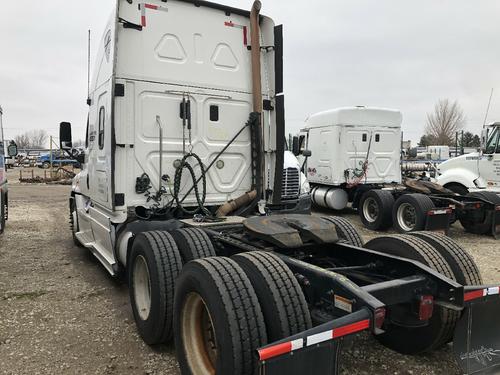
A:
(218, 320)
(73, 222)
(153, 268)
(457, 188)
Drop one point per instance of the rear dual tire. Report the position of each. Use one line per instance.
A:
(375, 209)
(484, 224)
(244, 303)
(462, 265)
(410, 212)
(218, 320)
(346, 231)
(153, 268)
(439, 331)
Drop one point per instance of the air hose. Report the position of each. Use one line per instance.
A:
(200, 199)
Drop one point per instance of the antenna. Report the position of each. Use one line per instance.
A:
(88, 69)
(488, 109)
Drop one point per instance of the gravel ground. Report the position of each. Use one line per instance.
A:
(60, 313)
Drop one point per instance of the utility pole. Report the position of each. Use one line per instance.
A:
(51, 154)
(462, 145)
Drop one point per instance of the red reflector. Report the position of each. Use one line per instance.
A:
(379, 317)
(426, 307)
(151, 6)
(351, 328)
(440, 212)
(275, 351)
(478, 205)
(473, 295)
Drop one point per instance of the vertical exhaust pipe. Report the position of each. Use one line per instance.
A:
(256, 68)
(257, 194)
(257, 89)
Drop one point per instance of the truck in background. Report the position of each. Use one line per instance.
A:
(353, 156)
(58, 159)
(9, 160)
(477, 171)
(181, 177)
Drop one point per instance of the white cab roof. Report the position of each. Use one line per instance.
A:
(352, 116)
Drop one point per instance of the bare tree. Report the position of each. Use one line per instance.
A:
(32, 139)
(38, 138)
(446, 119)
(22, 141)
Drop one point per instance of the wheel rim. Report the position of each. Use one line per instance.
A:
(198, 336)
(370, 210)
(407, 217)
(142, 287)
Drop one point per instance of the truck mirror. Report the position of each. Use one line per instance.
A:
(12, 150)
(295, 146)
(484, 138)
(65, 140)
(306, 153)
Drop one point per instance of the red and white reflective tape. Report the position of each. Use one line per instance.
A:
(243, 27)
(469, 296)
(145, 6)
(290, 346)
(439, 212)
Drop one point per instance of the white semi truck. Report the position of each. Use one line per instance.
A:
(478, 171)
(353, 155)
(185, 144)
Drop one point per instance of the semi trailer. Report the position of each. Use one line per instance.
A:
(181, 183)
(352, 155)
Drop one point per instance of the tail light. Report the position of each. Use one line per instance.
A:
(426, 307)
(379, 317)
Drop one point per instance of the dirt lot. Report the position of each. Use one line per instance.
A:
(60, 313)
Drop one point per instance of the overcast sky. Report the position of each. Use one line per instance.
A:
(387, 53)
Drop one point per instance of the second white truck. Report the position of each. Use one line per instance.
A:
(478, 171)
(353, 155)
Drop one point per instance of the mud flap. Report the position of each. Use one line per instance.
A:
(315, 351)
(438, 220)
(476, 343)
(322, 359)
